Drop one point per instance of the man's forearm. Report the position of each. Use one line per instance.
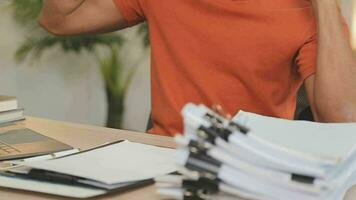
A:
(335, 80)
(56, 10)
(64, 7)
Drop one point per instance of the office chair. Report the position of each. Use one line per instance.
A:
(303, 109)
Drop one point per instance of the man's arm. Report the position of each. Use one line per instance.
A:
(72, 17)
(332, 90)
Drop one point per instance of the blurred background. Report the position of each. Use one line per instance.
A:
(100, 80)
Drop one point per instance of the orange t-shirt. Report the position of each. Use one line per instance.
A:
(242, 54)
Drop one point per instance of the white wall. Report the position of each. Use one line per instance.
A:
(347, 8)
(69, 87)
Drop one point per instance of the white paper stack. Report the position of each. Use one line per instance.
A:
(258, 157)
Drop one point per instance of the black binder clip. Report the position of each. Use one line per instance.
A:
(199, 194)
(210, 134)
(192, 195)
(239, 127)
(208, 183)
(199, 152)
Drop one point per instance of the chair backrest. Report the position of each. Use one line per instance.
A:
(149, 123)
(303, 110)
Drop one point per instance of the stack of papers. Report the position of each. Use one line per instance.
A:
(258, 157)
(112, 167)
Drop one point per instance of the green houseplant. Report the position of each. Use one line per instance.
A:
(116, 79)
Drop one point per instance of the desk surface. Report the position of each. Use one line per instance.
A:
(83, 137)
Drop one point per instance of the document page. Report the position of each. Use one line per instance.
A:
(118, 163)
(334, 140)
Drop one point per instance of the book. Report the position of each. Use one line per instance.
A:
(8, 103)
(11, 116)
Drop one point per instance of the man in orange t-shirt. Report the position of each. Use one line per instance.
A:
(242, 54)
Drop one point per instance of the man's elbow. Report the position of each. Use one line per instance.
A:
(55, 27)
(336, 114)
(350, 114)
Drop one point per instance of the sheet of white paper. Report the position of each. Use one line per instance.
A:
(321, 139)
(118, 163)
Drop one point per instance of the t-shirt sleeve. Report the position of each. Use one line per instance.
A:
(307, 57)
(133, 11)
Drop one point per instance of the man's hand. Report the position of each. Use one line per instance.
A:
(71, 17)
(332, 90)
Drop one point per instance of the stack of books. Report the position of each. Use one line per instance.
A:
(258, 157)
(9, 110)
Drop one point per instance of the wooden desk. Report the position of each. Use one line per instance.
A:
(84, 136)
